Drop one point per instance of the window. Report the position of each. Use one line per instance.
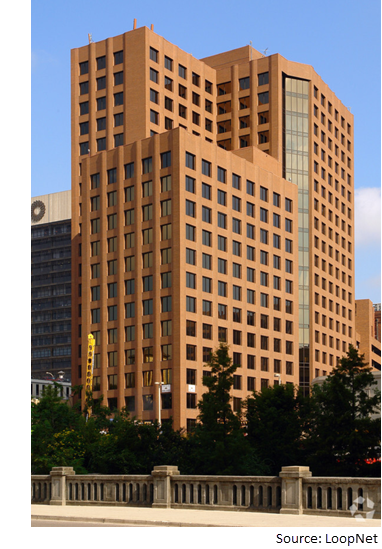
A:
(190, 256)
(206, 214)
(168, 63)
(166, 328)
(84, 108)
(190, 304)
(207, 331)
(147, 212)
(250, 188)
(207, 261)
(154, 117)
(165, 207)
(190, 280)
(166, 280)
(236, 225)
(206, 191)
(206, 238)
(263, 78)
(166, 183)
(101, 103)
(95, 225)
(208, 86)
(222, 334)
(206, 168)
(236, 248)
(118, 140)
(166, 159)
(190, 208)
(154, 75)
(166, 231)
(263, 98)
(236, 314)
(168, 83)
(166, 256)
(182, 71)
(190, 161)
(207, 308)
(222, 220)
(84, 128)
(118, 99)
(222, 174)
(263, 215)
(84, 88)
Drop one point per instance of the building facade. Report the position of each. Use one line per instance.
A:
(368, 330)
(212, 200)
(51, 285)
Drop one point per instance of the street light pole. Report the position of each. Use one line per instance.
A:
(159, 383)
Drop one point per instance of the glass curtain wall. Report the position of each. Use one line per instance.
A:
(296, 169)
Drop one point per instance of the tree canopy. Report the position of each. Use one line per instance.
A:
(335, 431)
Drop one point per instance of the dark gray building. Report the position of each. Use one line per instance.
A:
(51, 285)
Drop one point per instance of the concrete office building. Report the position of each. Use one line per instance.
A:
(212, 200)
(51, 285)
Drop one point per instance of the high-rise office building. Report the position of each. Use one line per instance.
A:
(368, 331)
(212, 200)
(51, 286)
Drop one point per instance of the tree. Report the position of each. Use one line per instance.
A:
(218, 444)
(275, 423)
(55, 433)
(343, 432)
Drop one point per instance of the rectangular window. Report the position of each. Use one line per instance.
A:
(168, 83)
(118, 78)
(263, 78)
(190, 208)
(263, 98)
(166, 183)
(166, 159)
(190, 161)
(165, 207)
(154, 55)
(154, 75)
(206, 168)
(206, 191)
(182, 71)
(222, 174)
(118, 99)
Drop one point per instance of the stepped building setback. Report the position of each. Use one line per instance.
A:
(212, 200)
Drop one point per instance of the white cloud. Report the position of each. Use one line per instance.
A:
(368, 216)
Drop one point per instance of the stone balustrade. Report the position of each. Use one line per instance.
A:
(294, 491)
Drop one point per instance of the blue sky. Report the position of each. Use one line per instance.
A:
(340, 39)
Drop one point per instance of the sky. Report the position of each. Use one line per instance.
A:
(340, 39)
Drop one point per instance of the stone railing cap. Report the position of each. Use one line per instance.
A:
(295, 471)
(62, 471)
(169, 469)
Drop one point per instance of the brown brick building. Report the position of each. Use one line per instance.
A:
(368, 327)
(212, 201)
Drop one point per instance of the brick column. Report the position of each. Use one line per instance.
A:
(291, 489)
(58, 476)
(162, 484)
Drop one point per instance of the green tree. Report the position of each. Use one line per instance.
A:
(343, 432)
(275, 424)
(55, 439)
(218, 445)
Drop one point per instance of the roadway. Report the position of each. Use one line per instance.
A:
(144, 516)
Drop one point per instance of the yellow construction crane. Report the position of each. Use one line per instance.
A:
(89, 369)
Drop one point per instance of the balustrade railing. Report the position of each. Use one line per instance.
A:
(294, 491)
